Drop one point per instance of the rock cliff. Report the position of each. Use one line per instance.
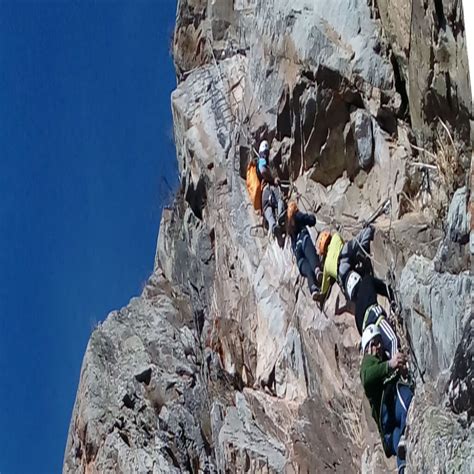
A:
(224, 363)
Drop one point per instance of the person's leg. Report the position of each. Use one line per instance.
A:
(383, 289)
(387, 425)
(364, 237)
(279, 202)
(305, 269)
(310, 252)
(404, 397)
(397, 434)
(270, 218)
(395, 438)
(267, 198)
(373, 317)
(363, 262)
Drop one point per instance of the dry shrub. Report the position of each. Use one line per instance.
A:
(436, 177)
(449, 164)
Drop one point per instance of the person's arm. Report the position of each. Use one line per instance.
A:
(383, 289)
(373, 371)
(266, 174)
(305, 219)
(364, 237)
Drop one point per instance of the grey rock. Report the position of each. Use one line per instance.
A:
(362, 129)
(461, 385)
(240, 434)
(437, 307)
(453, 253)
(458, 227)
(438, 441)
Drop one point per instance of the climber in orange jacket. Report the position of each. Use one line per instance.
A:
(307, 259)
(273, 205)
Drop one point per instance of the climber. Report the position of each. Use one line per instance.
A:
(347, 262)
(341, 258)
(389, 397)
(368, 311)
(307, 259)
(273, 205)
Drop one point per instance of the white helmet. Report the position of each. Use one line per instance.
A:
(264, 147)
(369, 333)
(352, 283)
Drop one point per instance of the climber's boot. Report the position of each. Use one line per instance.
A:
(282, 218)
(402, 448)
(316, 293)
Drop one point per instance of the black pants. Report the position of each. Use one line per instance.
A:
(369, 288)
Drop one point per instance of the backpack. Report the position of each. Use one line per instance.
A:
(254, 186)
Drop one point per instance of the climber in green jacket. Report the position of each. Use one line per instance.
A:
(389, 398)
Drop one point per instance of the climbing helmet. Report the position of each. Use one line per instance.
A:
(322, 244)
(370, 332)
(264, 148)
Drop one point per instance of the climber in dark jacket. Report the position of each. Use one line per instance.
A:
(362, 287)
(389, 398)
(349, 264)
(307, 260)
(368, 311)
(273, 204)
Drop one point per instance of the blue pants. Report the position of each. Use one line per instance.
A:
(394, 416)
(307, 259)
(272, 202)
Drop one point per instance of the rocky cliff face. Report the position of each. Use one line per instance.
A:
(224, 363)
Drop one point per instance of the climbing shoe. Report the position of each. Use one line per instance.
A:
(402, 448)
(282, 218)
(315, 293)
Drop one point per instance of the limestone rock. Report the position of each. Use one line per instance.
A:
(362, 129)
(438, 440)
(439, 307)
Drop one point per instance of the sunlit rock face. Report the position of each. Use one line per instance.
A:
(224, 363)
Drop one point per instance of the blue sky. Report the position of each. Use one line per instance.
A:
(85, 139)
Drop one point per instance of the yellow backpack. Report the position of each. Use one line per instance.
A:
(254, 186)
